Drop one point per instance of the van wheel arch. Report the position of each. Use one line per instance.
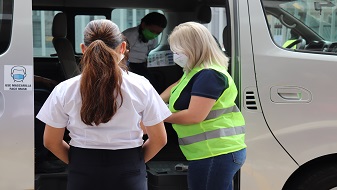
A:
(320, 173)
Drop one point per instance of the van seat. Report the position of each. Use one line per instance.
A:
(63, 47)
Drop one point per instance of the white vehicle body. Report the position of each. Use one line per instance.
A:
(288, 97)
(295, 121)
(17, 107)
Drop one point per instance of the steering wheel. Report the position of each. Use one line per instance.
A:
(300, 41)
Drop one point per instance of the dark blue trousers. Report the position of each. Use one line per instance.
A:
(99, 169)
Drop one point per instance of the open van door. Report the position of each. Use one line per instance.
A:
(16, 96)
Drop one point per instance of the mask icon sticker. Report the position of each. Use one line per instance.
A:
(18, 73)
(18, 77)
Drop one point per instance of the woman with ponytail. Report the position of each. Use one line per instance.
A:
(102, 108)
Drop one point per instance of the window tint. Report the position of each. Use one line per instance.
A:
(6, 19)
(42, 33)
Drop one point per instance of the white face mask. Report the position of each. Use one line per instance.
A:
(122, 57)
(180, 59)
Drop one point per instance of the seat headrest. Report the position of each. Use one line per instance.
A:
(59, 28)
(203, 14)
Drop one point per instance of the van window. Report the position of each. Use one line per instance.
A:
(81, 22)
(217, 24)
(313, 21)
(127, 18)
(6, 19)
(42, 33)
(277, 30)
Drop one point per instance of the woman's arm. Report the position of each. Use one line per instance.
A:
(53, 141)
(197, 111)
(167, 92)
(157, 139)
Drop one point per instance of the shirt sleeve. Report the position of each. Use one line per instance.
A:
(52, 112)
(132, 35)
(209, 84)
(155, 109)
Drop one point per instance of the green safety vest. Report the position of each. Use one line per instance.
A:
(288, 42)
(223, 130)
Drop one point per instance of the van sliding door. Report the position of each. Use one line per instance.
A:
(16, 96)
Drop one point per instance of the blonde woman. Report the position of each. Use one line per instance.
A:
(209, 125)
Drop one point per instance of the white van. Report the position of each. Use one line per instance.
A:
(283, 60)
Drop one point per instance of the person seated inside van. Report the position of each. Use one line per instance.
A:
(142, 39)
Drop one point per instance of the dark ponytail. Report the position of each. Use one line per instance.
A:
(101, 80)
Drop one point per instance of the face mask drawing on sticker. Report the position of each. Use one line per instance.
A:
(180, 59)
(18, 73)
(148, 34)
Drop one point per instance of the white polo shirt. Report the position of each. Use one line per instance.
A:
(141, 102)
(138, 49)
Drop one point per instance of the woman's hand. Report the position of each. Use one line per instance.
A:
(197, 111)
(167, 92)
(157, 139)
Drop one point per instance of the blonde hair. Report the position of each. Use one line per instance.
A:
(198, 44)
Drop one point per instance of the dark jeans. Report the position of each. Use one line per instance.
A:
(102, 169)
(215, 172)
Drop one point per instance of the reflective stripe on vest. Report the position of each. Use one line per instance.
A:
(216, 113)
(222, 132)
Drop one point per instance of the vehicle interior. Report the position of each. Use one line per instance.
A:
(60, 58)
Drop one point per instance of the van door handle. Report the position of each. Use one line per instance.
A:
(289, 94)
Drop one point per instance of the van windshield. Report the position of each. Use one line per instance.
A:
(319, 16)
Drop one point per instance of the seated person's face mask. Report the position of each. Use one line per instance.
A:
(148, 34)
(150, 31)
